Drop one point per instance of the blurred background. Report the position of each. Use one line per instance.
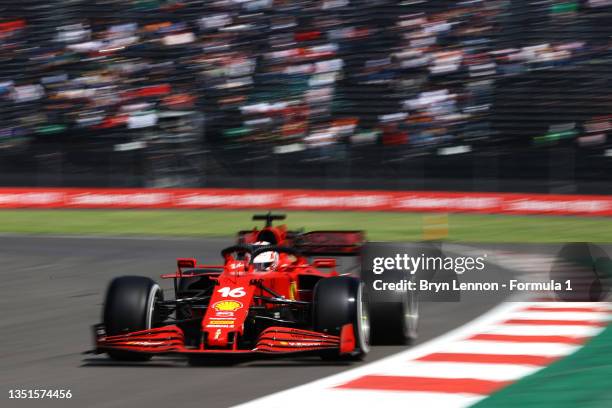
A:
(499, 95)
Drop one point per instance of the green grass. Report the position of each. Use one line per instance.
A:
(379, 225)
(580, 380)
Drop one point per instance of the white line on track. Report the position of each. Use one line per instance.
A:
(496, 372)
(533, 330)
(502, 347)
(365, 398)
(595, 316)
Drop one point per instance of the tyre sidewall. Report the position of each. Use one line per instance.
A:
(336, 303)
(130, 306)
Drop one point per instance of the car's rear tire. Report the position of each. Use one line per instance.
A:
(338, 301)
(394, 314)
(130, 306)
(395, 322)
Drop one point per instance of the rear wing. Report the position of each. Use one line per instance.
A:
(330, 243)
(268, 218)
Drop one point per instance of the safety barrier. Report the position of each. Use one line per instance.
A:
(352, 200)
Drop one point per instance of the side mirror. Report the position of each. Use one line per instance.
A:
(186, 263)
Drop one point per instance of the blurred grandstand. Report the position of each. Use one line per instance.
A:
(500, 95)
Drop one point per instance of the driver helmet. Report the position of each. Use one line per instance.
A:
(266, 261)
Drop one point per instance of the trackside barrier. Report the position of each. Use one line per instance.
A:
(352, 200)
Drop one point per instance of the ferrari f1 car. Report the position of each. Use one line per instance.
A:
(266, 299)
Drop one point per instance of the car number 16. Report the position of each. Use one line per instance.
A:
(229, 292)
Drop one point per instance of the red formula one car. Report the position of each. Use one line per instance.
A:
(262, 300)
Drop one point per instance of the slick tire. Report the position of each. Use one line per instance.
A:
(395, 323)
(130, 306)
(338, 301)
(394, 314)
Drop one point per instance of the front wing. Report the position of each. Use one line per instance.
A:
(271, 341)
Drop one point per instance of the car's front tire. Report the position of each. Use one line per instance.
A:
(130, 306)
(339, 301)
